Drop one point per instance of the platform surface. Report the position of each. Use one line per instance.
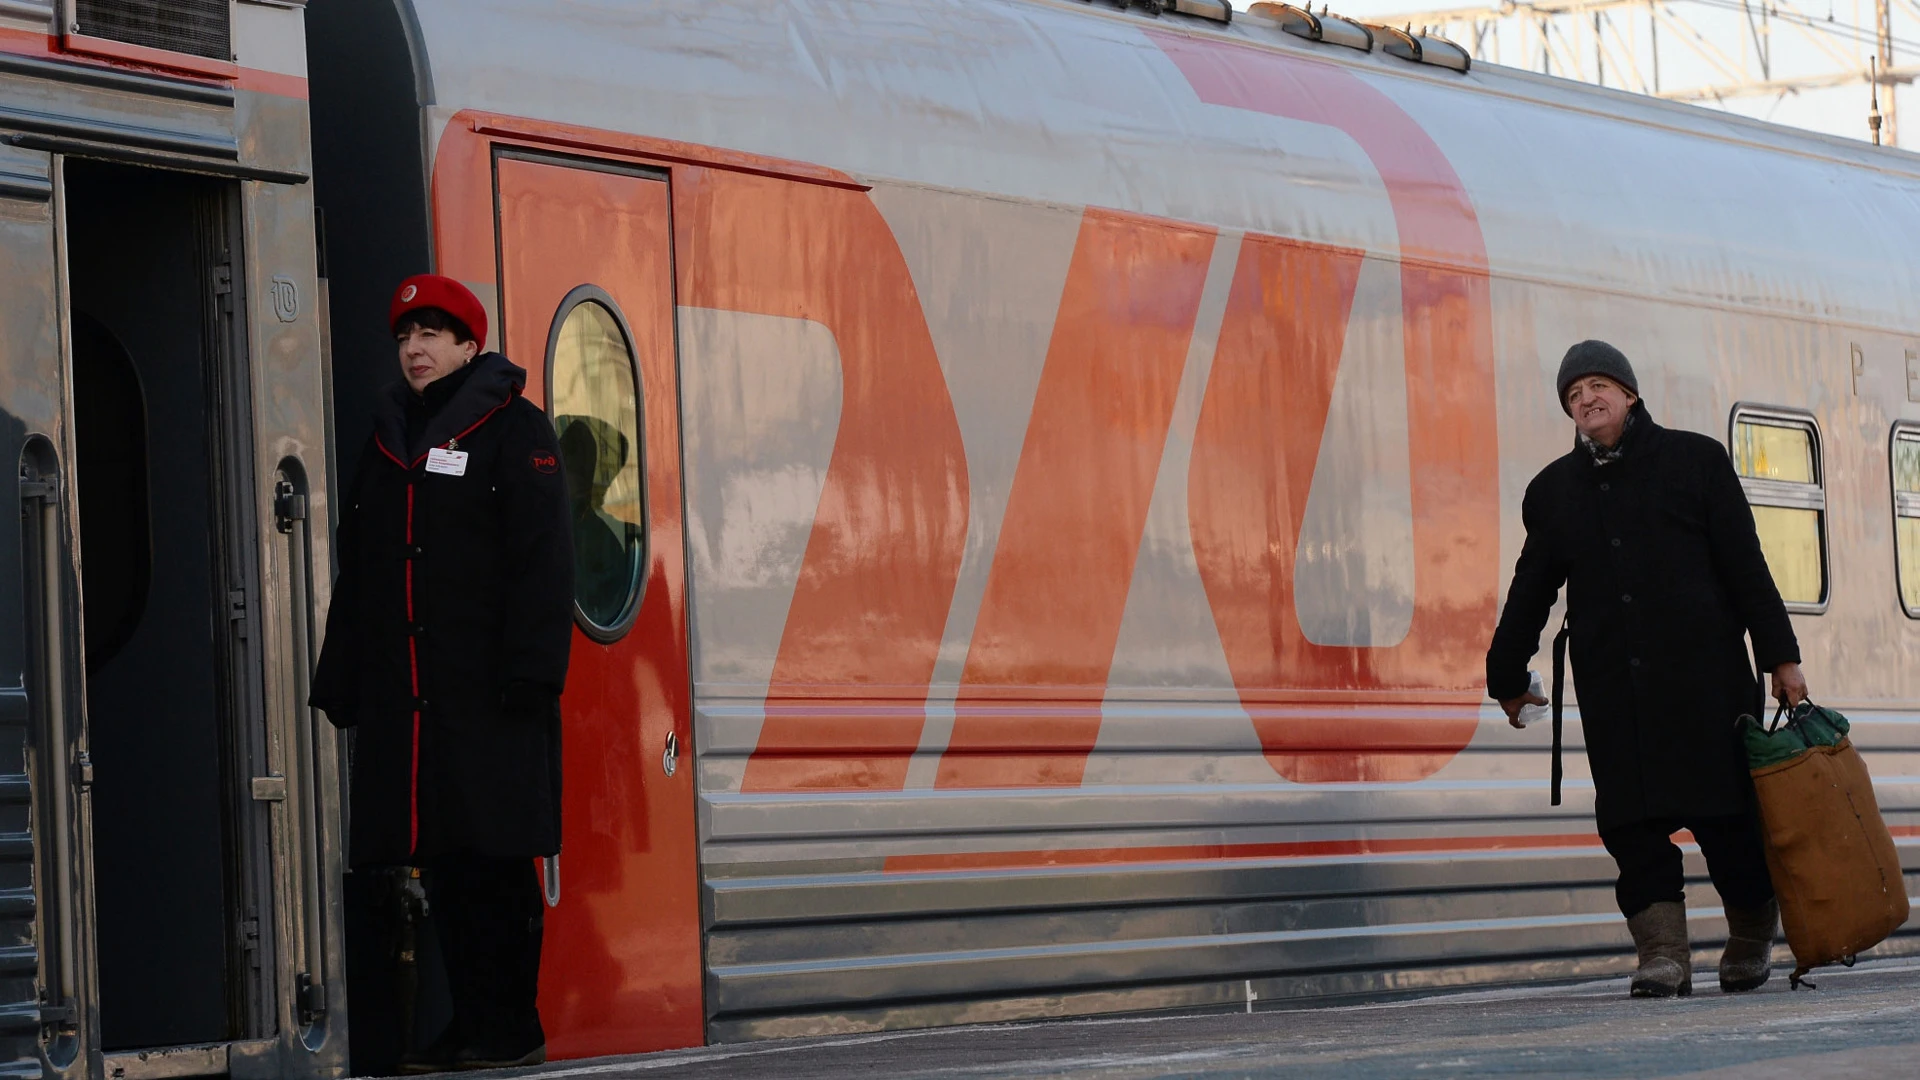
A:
(1863, 1022)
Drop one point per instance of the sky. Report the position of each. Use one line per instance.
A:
(1801, 38)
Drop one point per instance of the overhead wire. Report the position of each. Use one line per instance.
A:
(1849, 32)
(1859, 35)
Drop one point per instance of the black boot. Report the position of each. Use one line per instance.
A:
(493, 918)
(438, 1056)
(503, 1054)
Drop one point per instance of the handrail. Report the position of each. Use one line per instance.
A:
(291, 519)
(40, 500)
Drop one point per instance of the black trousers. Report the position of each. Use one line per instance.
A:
(489, 914)
(1650, 869)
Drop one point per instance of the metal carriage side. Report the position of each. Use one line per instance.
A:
(1095, 501)
(172, 845)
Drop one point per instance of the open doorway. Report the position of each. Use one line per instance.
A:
(177, 913)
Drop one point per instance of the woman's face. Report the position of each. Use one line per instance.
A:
(426, 355)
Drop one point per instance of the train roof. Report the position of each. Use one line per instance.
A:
(1080, 104)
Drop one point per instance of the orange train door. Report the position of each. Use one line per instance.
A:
(586, 261)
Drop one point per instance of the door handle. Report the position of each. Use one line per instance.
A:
(670, 757)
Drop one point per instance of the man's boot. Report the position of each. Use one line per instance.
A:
(1749, 956)
(1666, 963)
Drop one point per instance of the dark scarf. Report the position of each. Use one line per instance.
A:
(1607, 455)
(406, 424)
(426, 404)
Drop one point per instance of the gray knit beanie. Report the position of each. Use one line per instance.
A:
(1594, 358)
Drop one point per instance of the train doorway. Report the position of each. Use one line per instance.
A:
(179, 848)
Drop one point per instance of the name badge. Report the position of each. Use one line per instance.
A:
(447, 462)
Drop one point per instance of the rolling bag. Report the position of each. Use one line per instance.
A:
(1834, 867)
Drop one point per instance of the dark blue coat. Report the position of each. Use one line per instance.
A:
(1665, 579)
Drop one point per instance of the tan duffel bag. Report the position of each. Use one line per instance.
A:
(1833, 863)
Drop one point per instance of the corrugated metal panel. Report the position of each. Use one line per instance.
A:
(796, 950)
(116, 108)
(194, 27)
(825, 916)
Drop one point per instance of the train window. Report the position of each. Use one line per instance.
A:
(1906, 514)
(1777, 454)
(594, 391)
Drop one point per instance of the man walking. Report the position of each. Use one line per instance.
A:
(446, 649)
(1652, 535)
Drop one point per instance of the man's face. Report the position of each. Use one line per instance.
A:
(426, 355)
(1599, 406)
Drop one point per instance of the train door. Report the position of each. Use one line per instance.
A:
(198, 817)
(45, 996)
(176, 912)
(587, 298)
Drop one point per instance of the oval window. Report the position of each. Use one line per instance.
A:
(595, 398)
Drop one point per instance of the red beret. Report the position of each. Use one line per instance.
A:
(432, 290)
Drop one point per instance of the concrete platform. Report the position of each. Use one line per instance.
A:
(1863, 1022)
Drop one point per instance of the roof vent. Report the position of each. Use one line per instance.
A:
(1423, 48)
(194, 27)
(1216, 10)
(1331, 29)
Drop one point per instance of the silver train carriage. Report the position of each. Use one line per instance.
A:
(1069, 457)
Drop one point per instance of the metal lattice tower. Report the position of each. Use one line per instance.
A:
(1620, 43)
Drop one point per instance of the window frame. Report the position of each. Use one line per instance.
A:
(1788, 494)
(1911, 429)
(637, 590)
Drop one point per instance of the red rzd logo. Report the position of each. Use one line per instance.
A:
(544, 461)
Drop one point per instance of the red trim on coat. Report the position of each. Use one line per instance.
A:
(391, 456)
(413, 667)
(471, 428)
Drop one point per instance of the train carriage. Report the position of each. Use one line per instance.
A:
(1096, 461)
(170, 858)
(1062, 461)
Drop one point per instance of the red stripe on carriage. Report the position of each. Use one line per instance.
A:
(1299, 849)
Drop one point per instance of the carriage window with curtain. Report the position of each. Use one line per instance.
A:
(1906, 514)
(1777, 455)
(594, 393)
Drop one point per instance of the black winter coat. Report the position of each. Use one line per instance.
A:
(1665, 578)
(451, 620)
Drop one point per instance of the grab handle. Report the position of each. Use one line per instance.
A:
(60, 772)
(291, 519)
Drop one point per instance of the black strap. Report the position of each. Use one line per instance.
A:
(1793, 718)
(1559, 695)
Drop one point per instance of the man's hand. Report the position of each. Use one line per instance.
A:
(1511, 706)
(1789, 686)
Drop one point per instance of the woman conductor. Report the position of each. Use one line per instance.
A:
(446, 649)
